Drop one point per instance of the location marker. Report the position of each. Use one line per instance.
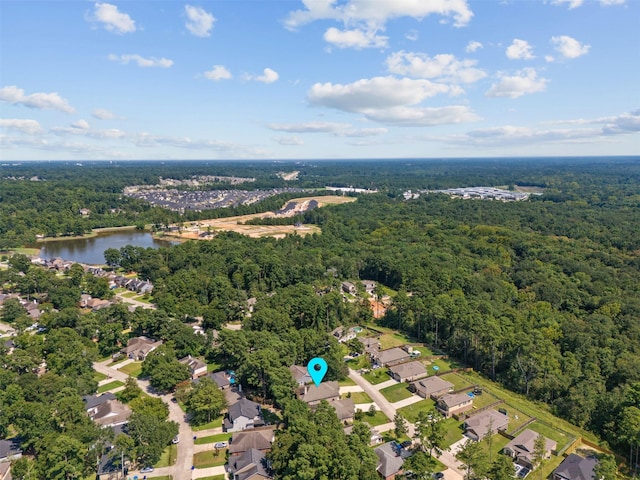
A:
(317, 369)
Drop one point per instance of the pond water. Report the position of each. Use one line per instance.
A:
(91, 250)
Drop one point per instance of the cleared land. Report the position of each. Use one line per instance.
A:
(236, 224)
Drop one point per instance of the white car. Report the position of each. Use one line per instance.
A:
(221, 445)
(176, 439)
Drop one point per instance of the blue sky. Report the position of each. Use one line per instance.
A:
(293, 79)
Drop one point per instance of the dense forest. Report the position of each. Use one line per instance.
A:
(542, 295)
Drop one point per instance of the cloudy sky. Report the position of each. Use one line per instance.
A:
(299, 79)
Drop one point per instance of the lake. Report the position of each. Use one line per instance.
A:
(91, 250)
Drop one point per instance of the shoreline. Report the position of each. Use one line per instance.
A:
(94, 233)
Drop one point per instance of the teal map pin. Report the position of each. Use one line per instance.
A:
(317, 369)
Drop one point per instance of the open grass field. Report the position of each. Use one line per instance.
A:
(358, 397)
(395, 393)
(222, 437)
(393, 340)
(133, 369)
(236, 224)
(211, 458)
(377, 376)
(110, 386)
(214, 424)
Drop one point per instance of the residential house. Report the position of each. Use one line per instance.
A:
(96, 304)
(371, 345)
(10, 450)
(391, 356)
(345, 410)
(452, 403)
(251, 465)
(242, 415)
(312, 395)
(258, 439)
(197, 367)
(110, 466)
(485, 423)
(5, 471)
(390, 462)
(431, 387)
(575, 467)
(348, 287)
(369, 286)
(222, 379)
(139, 347)
(521, 448)
(300, 375)
(106, 410)
(408, 372)
(343, 334)
(376, 438)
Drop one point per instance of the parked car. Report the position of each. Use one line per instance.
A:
(503, 411)
(176, 439)
(406, 444)
(146, 470)
(221, 445)
(438, 476)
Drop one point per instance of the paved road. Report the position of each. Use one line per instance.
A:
(454, 468)
(182, 468)
(150, 306)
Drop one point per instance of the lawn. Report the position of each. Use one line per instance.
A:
(98, 377)
(222, 437)
(212, 458)
(516, 417)
(376, 419)
(213, 367)
(445, 364)
(458, 381)
(270, 417)
(207, 426)
(120, 359)
(377, 376)
(359, 362)
(561, 438)
(453, 430)
(395, 393)
(347, 382)
(424, 351)
(481, 401)
(498, 442)
(110, 386)
(358, 397)
(527, 407)
(215, 477)
(132, 369)
(168, 457)
(411, 412)
(393, 340)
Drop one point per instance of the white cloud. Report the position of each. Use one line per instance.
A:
(363, 132)
(391, 100)
(309, 127)
(472, 46)
(523, 82)
(443, 66)
(288, 141)
(412, 35)
(42, 101)
(377, 12)
(30, 127)
(200, 22)
(141, 61)
(572, 3)
(578, 3)
(218, 72)
(357, 39)
(103, 114)
(112, 19)
(268, 76)
(520, 50)
(569, 47)
(81, 124)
